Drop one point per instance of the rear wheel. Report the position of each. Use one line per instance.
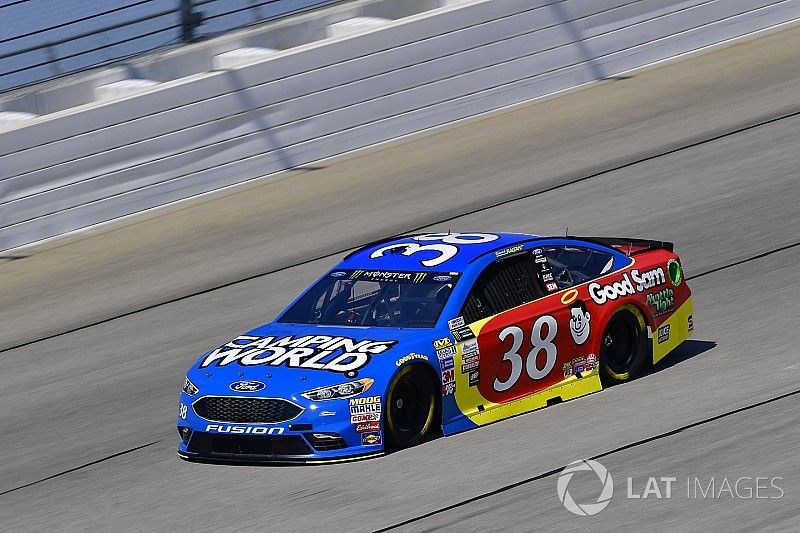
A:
(623, 347)
(411, 405)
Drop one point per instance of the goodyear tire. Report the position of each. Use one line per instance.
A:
(410, 407)
(623, 347)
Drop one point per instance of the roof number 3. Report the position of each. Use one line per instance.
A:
(447, 247)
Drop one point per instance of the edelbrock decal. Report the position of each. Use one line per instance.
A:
(314, 352)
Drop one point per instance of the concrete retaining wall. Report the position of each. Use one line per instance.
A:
(170, 127)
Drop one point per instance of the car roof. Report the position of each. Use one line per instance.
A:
(398, 252)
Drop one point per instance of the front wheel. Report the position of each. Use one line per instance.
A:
(623, 346)
(411, 405)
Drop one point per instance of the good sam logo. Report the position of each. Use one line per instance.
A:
(625, 287)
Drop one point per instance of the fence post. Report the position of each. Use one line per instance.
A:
(190, 19)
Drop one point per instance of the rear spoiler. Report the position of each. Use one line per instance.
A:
(630, 246)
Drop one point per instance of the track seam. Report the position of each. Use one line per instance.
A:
(59, 474)
(614, 168)
(604, 454)
(743, 261)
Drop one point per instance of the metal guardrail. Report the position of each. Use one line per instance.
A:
(115, 31)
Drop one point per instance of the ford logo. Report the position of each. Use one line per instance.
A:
(247, 386)
(338, 274)
(442, 278)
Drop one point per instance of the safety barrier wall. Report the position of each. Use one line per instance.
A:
(281, 109)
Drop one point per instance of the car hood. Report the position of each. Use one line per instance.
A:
(287, 359)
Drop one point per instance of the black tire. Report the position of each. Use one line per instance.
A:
(623, 347)
(410, 407)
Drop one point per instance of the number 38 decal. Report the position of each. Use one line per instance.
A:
(540, 344)
(446, 250)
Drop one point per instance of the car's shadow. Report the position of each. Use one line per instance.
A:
(686, 350)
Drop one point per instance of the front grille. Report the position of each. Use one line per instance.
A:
(272, 445)
(246, 410)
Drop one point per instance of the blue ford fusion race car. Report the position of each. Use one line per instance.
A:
(436, 333)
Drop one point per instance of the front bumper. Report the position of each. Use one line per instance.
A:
(320, 434)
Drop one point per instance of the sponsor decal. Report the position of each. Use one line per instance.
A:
(663, 301)
(448, 376)
(442, 278)
(578, 364)
(625, 287)
(567, 368)
(603, 293)
(446, 364)
(438, 344)
(384, 275)
(474, 378)
(445, 353)
(508, 251)
(663, 334)
(338, 274)
(470, 346)
(368, 427)
(247, 386)
(312, 352)
(366, 400)
(366, 409)
(591, 361)
(540, 259)
(675, 272)
(244, 430)
(691, 323)
(547, 277)
(457, 322)
(370, 439)
(551, 286)
(569, 296)
(388, 275)
(579, 325)
(649, 279)
(470, 363)
(463, 333)
(365, 417)
(327, 413)
(411, 357)
(183, 410)
(448, 388)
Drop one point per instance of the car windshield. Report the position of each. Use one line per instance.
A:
(389, 298)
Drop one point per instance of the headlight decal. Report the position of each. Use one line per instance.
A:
(339, 391)
(190, 388)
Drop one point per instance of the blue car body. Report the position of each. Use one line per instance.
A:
(224, 384)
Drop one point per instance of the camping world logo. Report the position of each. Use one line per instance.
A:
(585, 509)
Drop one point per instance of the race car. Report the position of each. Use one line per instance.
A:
(433, 334)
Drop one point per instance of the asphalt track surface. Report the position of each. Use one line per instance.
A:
(99, 328)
